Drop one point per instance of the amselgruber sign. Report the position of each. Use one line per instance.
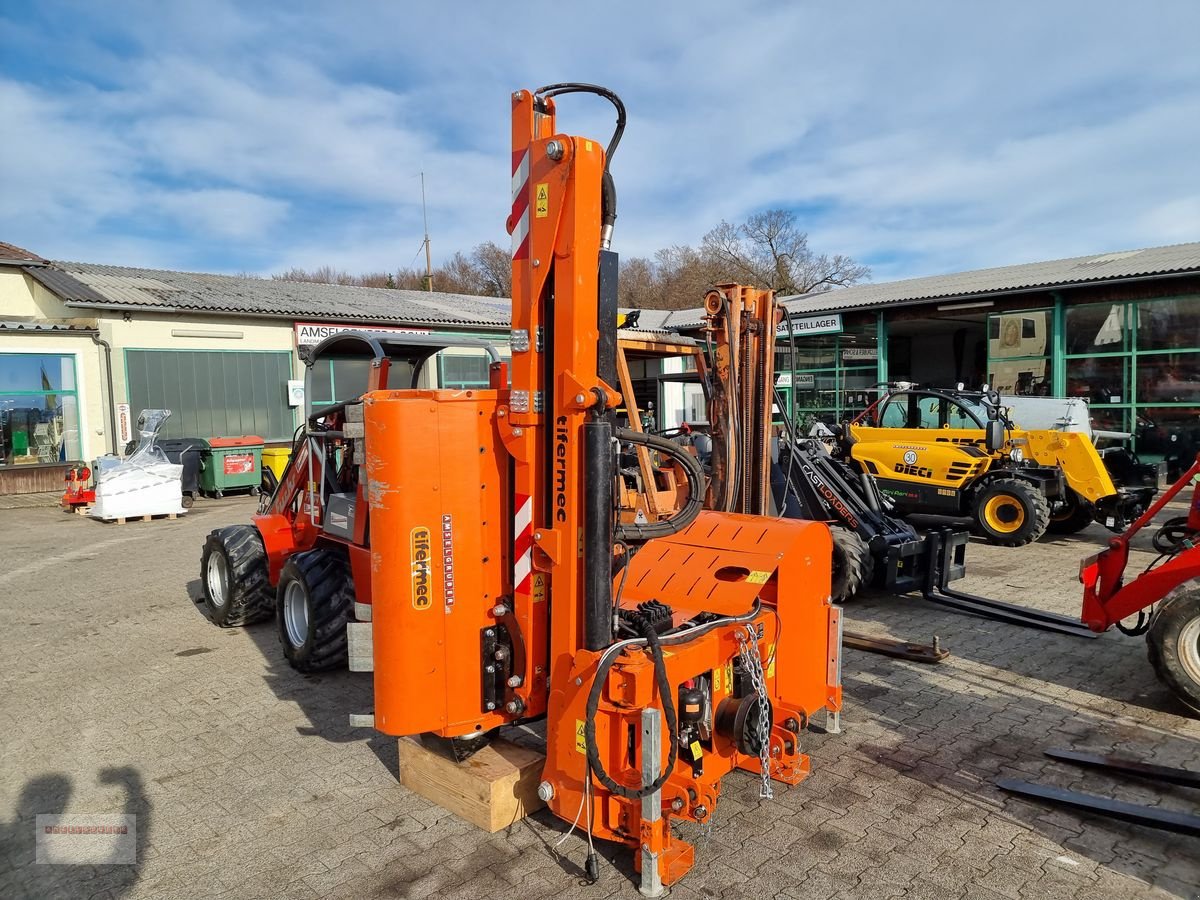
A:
(309, 334)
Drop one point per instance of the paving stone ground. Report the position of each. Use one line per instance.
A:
(119, 696)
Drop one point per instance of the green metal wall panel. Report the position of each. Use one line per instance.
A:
(213, 393)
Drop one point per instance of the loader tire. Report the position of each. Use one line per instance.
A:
(233, 574)
(1071, 516)
(1011, 513)
(314, 603)
(1173, 645)
(852, 564)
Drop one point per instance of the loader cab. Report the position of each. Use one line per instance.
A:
(347, 365)
(934, 409)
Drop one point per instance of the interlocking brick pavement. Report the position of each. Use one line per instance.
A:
(248, 782)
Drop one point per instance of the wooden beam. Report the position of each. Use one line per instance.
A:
(493, 789)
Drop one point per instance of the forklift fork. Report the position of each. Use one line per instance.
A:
(947, 550)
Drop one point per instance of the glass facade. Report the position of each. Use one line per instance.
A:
(39, 409)
(833, 374)
(1136, 362)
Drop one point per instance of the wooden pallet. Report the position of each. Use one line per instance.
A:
(493, 789)
(121, 520)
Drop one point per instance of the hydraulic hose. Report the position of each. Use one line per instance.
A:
(695, 501)
(654, 642)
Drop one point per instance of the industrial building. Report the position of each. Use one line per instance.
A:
(84, 347)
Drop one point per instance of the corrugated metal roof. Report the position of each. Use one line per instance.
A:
(42, 326)
(11, 253)
(1178, 258)
(89, 285)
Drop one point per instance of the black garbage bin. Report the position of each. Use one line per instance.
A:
(186, 452)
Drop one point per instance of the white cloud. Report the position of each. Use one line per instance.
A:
(927, 137)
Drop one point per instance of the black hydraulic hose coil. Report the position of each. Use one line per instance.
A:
(695, 476)
(668, 702)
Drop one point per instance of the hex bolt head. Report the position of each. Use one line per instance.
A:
(554, 149)
(536, 263)
(489, 633)
(701, 812)
(515, 681)
(489, 705)
(579, 398)
(545, 792)
(499, 610)
(489, 669)
(677, 805)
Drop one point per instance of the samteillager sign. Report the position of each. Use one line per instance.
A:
(806, 326)
(309, 334)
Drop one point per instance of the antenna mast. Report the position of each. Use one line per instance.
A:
(428, 259)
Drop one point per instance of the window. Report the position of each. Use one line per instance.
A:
(461, 372)
(39, 408)
(213, 393)
(834, 374)
(1019, 349)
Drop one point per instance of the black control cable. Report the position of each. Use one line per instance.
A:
(654, 642)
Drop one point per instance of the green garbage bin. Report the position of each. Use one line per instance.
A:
(231, 464)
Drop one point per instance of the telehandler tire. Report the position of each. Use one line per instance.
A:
(852, 564)
(1071, 516)
(1173, 645)
(1011, 513)
(314, 602)
(233, 573)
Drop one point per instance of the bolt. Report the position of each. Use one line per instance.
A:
(578, 681)
(536, 263)
(489, 669)
(515, 706)
(489, 705)
(701, 812)
(579, 398)
(692, 794)
(499, 610)
(792, 725)
(517, 432)
(489, 633)
(537, 535)
(545, 792)
(501, 653)
(677, 804)
(554, 149)
(519, 96)
(515, 681)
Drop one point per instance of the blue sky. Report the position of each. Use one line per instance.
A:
(919, 137)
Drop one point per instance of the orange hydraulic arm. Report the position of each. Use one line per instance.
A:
(664, 655)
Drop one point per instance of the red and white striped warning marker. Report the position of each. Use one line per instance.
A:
(520, 204)
(523, 544)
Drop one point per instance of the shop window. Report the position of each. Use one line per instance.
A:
(1170, 433)
(461, 372)
(1099, 379)
(1019, 348)
(39, 409)
(1171, 324)
(1168, 378)
(1099, 328)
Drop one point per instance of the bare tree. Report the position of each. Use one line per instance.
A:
(494, 264)
(769, 250)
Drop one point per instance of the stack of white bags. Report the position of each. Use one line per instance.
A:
(144, 484)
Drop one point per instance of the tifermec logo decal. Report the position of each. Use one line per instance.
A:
(421, 545)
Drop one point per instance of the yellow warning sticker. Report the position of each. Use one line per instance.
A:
(580, 740)
(541, 206)
(696, 751)
(758, 577)
(587, 145)
(771, 661)
(539, 588)
(716, 681)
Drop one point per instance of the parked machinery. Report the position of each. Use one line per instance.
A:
(305, 560)
(939, 452)
(501, 585)
(1165, 597)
